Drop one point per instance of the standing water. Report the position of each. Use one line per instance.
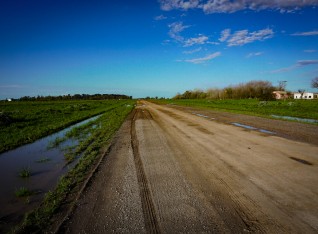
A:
(45, 165)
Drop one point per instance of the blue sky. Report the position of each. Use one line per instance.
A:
(154, 48)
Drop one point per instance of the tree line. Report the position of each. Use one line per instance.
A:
(75, 97)
(259, 89)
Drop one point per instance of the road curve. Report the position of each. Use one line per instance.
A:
(169, 171)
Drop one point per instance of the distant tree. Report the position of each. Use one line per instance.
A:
(282, 85)
(301, 91)
(314, 83)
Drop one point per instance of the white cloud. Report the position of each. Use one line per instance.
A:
(192, 51)
(222, 6)
(204, 59)
(254, 54)
(310, 33)
(160, 17)
(225, 34)
(243, 37)
(175, 29)
(168, 5)
(196, 41)
(229, 6)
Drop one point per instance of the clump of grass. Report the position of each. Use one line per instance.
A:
(43, 160)
(56, 142)
(25, 172)
(23, 192)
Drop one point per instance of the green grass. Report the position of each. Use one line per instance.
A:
(23, 192)
(295, 108)
(56, 142)
(25, 172)
(24, 122)
(38, 220)
(43, 160)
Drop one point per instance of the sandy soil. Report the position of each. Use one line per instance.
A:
(171, 171)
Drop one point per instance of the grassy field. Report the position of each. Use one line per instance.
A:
(90, 147)
(25, 122)
(295, 108)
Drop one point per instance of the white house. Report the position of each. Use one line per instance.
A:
(305, 95)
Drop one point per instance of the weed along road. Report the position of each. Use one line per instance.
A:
(169, 171)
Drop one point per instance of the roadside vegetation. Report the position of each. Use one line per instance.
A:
(94, 138)
(295, 108)
(252, 98)
(262, 90)
(24, 122)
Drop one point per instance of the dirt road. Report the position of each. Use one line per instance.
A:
(169, 171)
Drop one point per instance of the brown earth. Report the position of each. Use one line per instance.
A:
(170, 171)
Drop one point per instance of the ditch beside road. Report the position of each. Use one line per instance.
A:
(170, 170)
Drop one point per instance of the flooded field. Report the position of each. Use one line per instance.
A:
(34, 167)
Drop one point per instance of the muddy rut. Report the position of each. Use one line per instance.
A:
(169, 171)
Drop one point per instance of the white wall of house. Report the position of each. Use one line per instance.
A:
(305, 96)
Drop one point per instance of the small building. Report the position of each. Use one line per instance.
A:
(281, 94)
(9, 99)
(306, 95)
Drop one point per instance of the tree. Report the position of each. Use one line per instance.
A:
(301, 91)
(282, 85)
(314, 83)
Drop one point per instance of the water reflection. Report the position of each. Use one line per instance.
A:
(295, 118)
(46, 165)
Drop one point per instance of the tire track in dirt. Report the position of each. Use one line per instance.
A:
(233, 165)
(151, 221)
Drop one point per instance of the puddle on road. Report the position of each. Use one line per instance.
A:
(238, 125)
(200, 115)
(244, 126)
(266, 131)
(295, 118)
(46, 165)
(253, 128)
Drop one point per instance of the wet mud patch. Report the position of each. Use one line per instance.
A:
(193, 125)
(301, 161)
(204, 130)
(143, 114)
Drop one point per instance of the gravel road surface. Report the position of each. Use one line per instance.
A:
(174, 171)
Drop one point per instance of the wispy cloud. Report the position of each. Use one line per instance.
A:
(298, 64)
(192, 51)
(310, 33)
(243, 37)
(175, 29)
(230, 6)
(200, 40)
(11, 86)
(254, 54)
(301, 63)
(225, 34)
(310, 51)
(160, 17)
(204, 59)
